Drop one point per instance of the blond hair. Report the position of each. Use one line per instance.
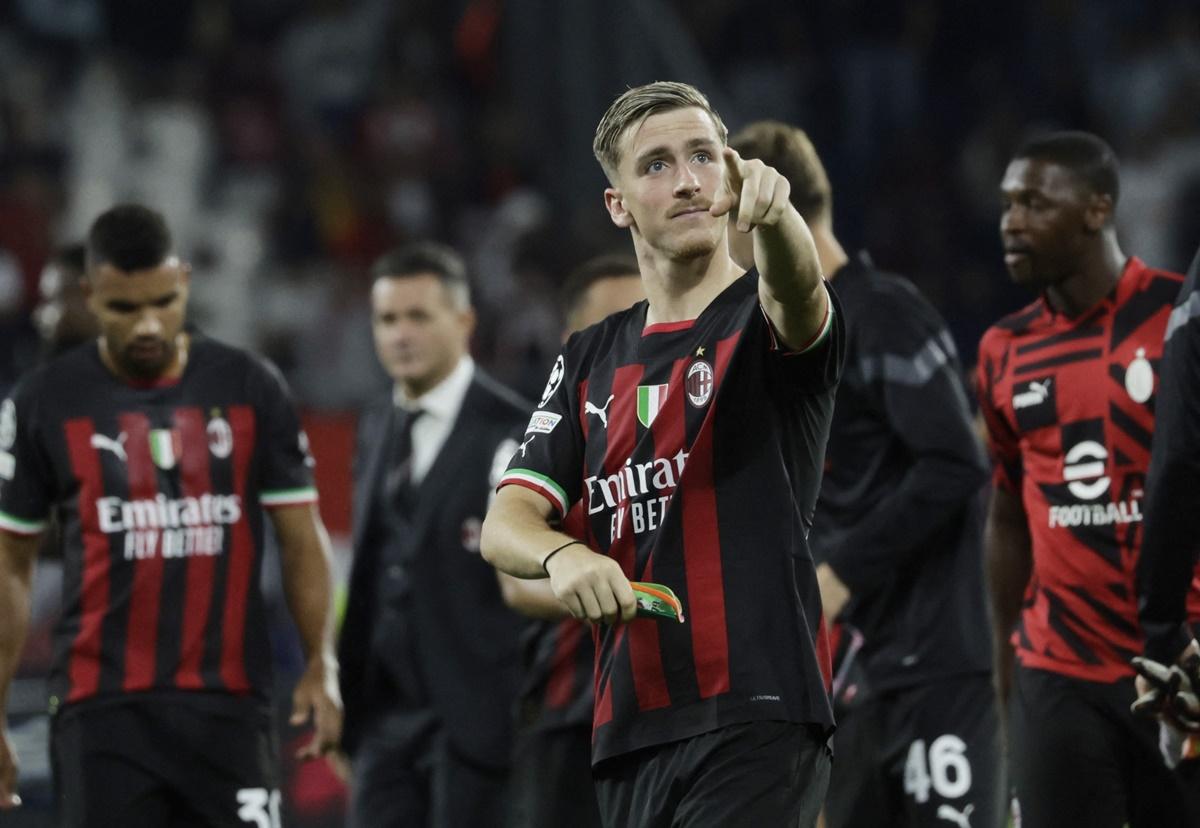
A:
(789, 150)
(639, 103)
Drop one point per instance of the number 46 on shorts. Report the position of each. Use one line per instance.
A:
(944, 768)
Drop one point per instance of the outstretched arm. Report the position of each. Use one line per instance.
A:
(790, 286)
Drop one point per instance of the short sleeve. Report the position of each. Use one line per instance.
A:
(286, 464)
(815, 365)
(26, 490)
(549, 458)
(1003, 443)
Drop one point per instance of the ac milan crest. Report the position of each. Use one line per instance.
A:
(699, 383)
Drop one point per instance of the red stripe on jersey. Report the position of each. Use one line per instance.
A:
(668, 327)
(602, 713)
(141, 635)
(240, 565)
(702, 551)
(824, 659)
(83, 667)
(560, 686)
(194, 475)
(645, 653)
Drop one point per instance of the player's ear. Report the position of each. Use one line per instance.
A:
(1098, 213)
(615, 204)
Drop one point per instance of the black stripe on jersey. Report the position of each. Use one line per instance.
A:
(1055, 339)
(120, 577)
(676, 639)
(1137, 309)
(1019, 321)
(1121, 458)
(1061, 359)
(1058, 616)
(221, 472)
(1130, 426)
(1110, 616)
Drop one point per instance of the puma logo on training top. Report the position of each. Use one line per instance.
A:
(602, 413)
(117, 446)
(961, 818)
(1036, 394)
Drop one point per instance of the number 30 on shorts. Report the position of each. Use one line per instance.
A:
(946, 768)
(259, 807)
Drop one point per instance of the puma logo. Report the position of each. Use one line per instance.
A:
(117, 446)
(602, 413)
(521, 448)
(1036, 394)
(960, 818)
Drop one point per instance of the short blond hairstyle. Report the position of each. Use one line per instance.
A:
(789, 150)
(639, 103)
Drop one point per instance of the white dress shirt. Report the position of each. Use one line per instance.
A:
(440, 406)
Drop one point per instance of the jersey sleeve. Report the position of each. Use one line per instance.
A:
(909, 367)
(815, 365)
(1003, 442)
(549, 458)
(26, 491)
(1171, 532)
(286, 462)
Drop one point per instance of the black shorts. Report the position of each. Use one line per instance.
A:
(165, 760)
(551, 782)
(741, 776)
(1078, 757)
(922, 756)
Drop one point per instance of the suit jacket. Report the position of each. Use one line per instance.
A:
(457, 628)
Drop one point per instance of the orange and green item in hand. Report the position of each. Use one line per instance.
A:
(656, 601)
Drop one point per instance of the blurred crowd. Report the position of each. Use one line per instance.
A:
(289, 142)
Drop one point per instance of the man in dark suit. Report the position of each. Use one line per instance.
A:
(430, 668)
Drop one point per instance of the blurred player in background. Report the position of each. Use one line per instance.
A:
(157, 451)
(1067, 387)
(1171, 540)
(552, 768)
(691, 429)
(429, 651)
(62, 316)
(898, 535)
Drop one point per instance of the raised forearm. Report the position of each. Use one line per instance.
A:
(790, 287)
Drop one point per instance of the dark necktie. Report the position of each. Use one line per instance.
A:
(398, 481)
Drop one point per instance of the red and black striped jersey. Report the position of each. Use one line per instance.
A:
(1069, 405)
(695, 450)
(556, 688)
(558, 660)
(158, 490)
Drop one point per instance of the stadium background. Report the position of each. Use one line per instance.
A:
(291, 141)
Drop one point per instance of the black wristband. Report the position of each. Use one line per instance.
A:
(554, 552)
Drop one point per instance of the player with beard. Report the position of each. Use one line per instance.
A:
(157, 450)
(1067, 388)
(690, 430)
